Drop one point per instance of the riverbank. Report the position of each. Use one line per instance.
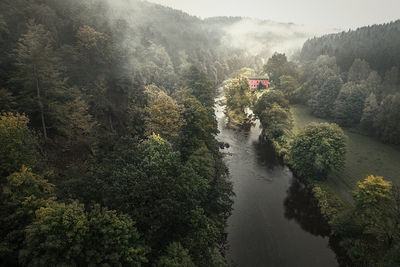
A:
(275, 221)
(365, 155)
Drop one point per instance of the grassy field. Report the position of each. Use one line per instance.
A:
(365, 156)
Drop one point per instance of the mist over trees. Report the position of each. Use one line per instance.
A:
(377, 44)
(108, 153)
(352, 78)
(107, 133)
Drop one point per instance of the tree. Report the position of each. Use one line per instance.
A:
(369, 112)
(288, 85)
(152, 184)
(349, 105)
(17, 143)
(56, 236)
(370, 231)
(175, 256)
(23, 193)
(268, 99)
(322, 102)
(94, 52)
(164, 115)
(7, 100)
(387, 118)
(390, 83)
(203, 88)
(238, 98)
(317, 150)
(199, 129)
(359, 71)
(315, 75)
(38, 73)
(67, 235)
(277, 66)
(276, 121)
(113, 240)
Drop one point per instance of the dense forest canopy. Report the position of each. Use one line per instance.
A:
(107, 135)
(376, 44)
(108, 150)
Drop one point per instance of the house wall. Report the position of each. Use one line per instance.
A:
(255, 82)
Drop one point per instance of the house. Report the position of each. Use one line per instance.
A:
(256, 81)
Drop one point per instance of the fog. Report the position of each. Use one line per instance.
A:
(262, 38)
(253, 40)
(342, 14)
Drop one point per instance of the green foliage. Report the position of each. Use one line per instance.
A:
(276, 121)
(315, 75)
(38, 73)
(288, 85)
(175, 256)
(317, 150)
(112, 240)
(329, 203)
(200, 127)
(203, 88)
(153, 185)
(387, 118)
(7, 100)
(371, 192)
(81, 77)
(164, 116)
(278, 66)
(67, 235)
(391, 81)
(322, 102)
(268, 99)
(359, 71)
(56, 236)
(370, 230)
(272, 108)
(376, 44)
(17, 143)
(349, 104)
(238, 98)
(369, 112)
(22, 194)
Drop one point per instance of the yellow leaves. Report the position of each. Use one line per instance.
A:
(164, 115)
(371, 191)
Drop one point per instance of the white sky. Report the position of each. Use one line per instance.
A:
(343, 14)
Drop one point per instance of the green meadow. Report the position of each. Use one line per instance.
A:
(365, 155)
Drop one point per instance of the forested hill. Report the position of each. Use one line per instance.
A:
(155, 43)
(379, 45)
(83, 179)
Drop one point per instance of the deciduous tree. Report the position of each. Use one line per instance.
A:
(317, 150)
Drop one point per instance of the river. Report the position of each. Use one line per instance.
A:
(275, 221)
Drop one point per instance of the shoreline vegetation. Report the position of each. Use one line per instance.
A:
(361, 207)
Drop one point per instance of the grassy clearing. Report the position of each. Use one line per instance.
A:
(365, 156)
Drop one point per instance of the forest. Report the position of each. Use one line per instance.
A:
(108, 134)
(362, 97)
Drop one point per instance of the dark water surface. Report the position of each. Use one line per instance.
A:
(275, 221)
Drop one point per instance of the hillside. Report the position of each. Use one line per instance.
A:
(379, 45)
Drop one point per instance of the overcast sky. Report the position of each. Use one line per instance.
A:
(343, 14)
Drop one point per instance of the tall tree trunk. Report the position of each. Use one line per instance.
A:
(40, 103)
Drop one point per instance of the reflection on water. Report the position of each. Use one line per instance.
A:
(301, 206)
(274, 221)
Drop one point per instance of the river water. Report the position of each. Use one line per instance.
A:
(275, 221)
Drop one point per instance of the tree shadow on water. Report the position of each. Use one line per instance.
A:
(301, 206)
(266, 155)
